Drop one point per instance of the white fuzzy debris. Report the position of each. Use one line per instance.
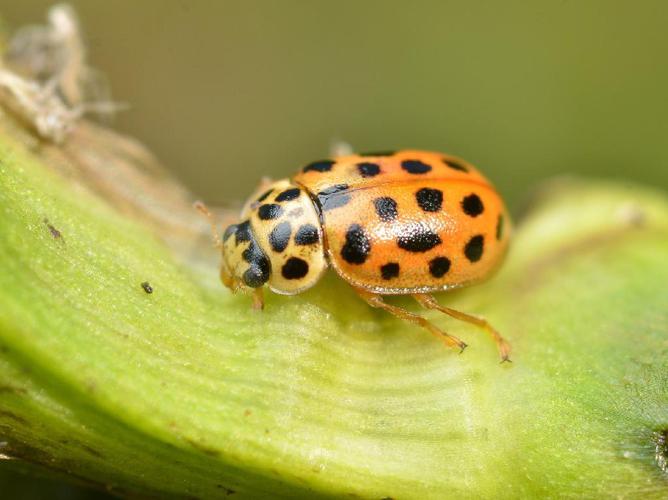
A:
(338, 147)
(39, 105)
(44, 78)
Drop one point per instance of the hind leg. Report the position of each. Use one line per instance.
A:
(429, 302)
(375, 300)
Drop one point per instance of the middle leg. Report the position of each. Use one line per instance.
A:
(375, 300)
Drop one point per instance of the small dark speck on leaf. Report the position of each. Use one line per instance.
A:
(54, 232)
(90, 450)
(228, 491)
(203, 447)
(147, 287)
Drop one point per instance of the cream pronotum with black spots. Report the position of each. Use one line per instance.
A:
(410, 222)
(281, 242)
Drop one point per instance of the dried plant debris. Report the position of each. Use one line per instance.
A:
(44, 78)
(57, 235)
(339, 147)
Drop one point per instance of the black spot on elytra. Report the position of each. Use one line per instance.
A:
(334, 197)
(242, 232)
(439, 266)
(415, 167)
(386, 208)
(288, 194)
(294, 269)
(474, 248)
(499, 227)
(265, 195)
(389, 270)
(280, 236)
(455, 165)
(319, 166)
(429, 200)
(379, 153)
(269, 211)
(472, 205)
(417, 238)
(357, 246)
(306, 235)
(259, 267)
(367, 169)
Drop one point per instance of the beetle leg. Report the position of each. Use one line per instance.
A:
(375, 300)
(258, 299)
(429, 302)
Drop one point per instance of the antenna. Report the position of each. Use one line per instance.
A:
(202, 208)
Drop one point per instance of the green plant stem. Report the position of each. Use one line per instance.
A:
(187, 392)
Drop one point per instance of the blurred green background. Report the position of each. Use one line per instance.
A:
(225, 92)
(228, 91)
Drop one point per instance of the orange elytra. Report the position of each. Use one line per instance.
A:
(398, 223)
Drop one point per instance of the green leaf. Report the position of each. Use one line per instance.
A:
(188, 392)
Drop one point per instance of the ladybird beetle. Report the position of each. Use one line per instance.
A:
(393, 223)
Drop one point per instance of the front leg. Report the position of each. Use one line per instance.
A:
(258, 299)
